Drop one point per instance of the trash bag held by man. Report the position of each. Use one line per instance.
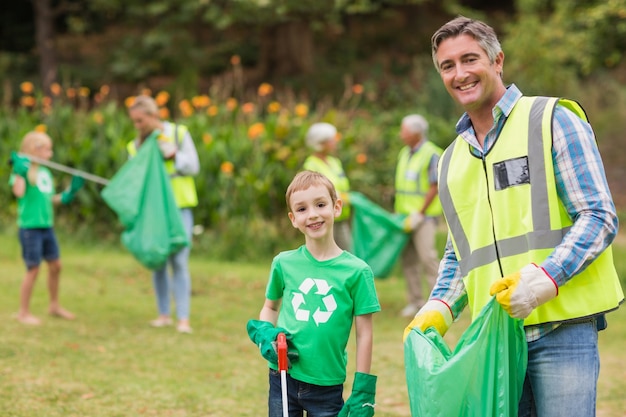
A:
(378, 236)
(141, 195)
(483, 377)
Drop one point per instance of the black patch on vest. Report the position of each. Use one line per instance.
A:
(511, 172)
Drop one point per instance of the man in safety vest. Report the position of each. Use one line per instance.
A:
(531, 221)
(181, 163)
(416, 197)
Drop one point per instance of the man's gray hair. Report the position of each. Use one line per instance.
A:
(415, 123)
(461, 25)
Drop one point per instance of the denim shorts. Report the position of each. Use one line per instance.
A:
(316, 400)
(38, 244)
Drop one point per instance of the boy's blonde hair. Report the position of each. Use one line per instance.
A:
(33, 140)
(145, 104)
(306, 179)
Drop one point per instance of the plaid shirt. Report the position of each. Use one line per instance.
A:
(582, 187)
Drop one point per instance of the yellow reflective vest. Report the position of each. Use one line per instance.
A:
(332, 169)
(183, 186)
(503, 212)
(412, 181)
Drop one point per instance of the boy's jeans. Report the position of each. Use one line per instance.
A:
(562, 375)
(181, 281)
(318, 401)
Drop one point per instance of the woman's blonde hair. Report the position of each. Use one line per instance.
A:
(145, 104)
(33, 140)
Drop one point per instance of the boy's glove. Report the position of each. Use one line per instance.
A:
(521, 292)
(20, 164)
(435, 313)
(362, 400)
(412, 221)
(68, 195)
(263, 334)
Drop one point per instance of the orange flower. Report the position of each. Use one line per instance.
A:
(46, 101)
(164, 113)
(247, 108)
(201, 101)
(256, 130)
(212, 110)
(265, 89)
(55, 89)
(98, 118)
(357, 89)
(28, 101)
(301, 110)
(231, 104)
(273, 107)
(162, 98)
(27, 87)
(41, 128)
(361, 158)
(104, 90)
(235, 60)
(129, 101)
(185, 108)
(338, 136)
(70, 92)
(207, 138)
(146, 92)
(227, 168)
(83, 92)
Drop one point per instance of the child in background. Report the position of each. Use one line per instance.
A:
(33, 186)
(324, 288)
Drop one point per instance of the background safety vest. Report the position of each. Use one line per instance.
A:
(503, 212)
(183, 187)
(332, 169)
(412, 181)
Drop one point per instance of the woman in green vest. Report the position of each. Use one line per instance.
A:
(322, 139)
(181, 162)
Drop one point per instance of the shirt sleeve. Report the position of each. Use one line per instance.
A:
(583, 189)
(432, 169)
(186, 160)
(450, 287)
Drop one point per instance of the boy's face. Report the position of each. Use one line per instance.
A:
(43, 149)
(312, 211)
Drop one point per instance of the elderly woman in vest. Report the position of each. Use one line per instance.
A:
(181, 162)
(322, 139)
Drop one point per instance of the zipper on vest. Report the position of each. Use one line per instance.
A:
(493, 226)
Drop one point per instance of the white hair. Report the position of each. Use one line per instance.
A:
(318, 134)
(415, 123)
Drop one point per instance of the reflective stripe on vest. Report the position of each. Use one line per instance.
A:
(333, 170)
(412, 182)
(493, 231)
(183, 187)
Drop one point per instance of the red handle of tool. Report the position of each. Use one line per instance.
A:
(281, 343)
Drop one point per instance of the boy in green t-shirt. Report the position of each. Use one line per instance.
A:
(324, 288)
(33, 186)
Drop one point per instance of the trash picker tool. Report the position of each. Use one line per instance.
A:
(67, 169)
(282, 367)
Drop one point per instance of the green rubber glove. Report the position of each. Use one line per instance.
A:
(68, 195)
(20, 164)
(263, 334)
(362, 400)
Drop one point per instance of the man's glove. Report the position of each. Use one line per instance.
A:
(435, 313)
(263, 334)
(68, 195)
(362, 399)
(20, 164)
(520, 293)
(412, 221)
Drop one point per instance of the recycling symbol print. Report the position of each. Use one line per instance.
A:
(307, 292)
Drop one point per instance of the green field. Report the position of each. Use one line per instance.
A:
(109, 362)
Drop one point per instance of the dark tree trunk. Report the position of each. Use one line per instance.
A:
(44, 39)
(286, 50)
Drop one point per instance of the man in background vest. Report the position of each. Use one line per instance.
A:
(416, 197)
(531, 220)
(181, 163)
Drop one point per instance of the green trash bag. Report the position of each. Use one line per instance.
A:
(483, 377)
(378, 236)
(141, 195)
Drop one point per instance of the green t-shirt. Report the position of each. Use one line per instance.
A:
(319, 302)
(34, 208)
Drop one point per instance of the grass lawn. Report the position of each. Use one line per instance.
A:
(109, 362)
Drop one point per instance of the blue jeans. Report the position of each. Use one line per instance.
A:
(562, 375)
(181, 280)
(316, 400)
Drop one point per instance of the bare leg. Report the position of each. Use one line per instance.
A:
(26, 291)
(54, 275)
